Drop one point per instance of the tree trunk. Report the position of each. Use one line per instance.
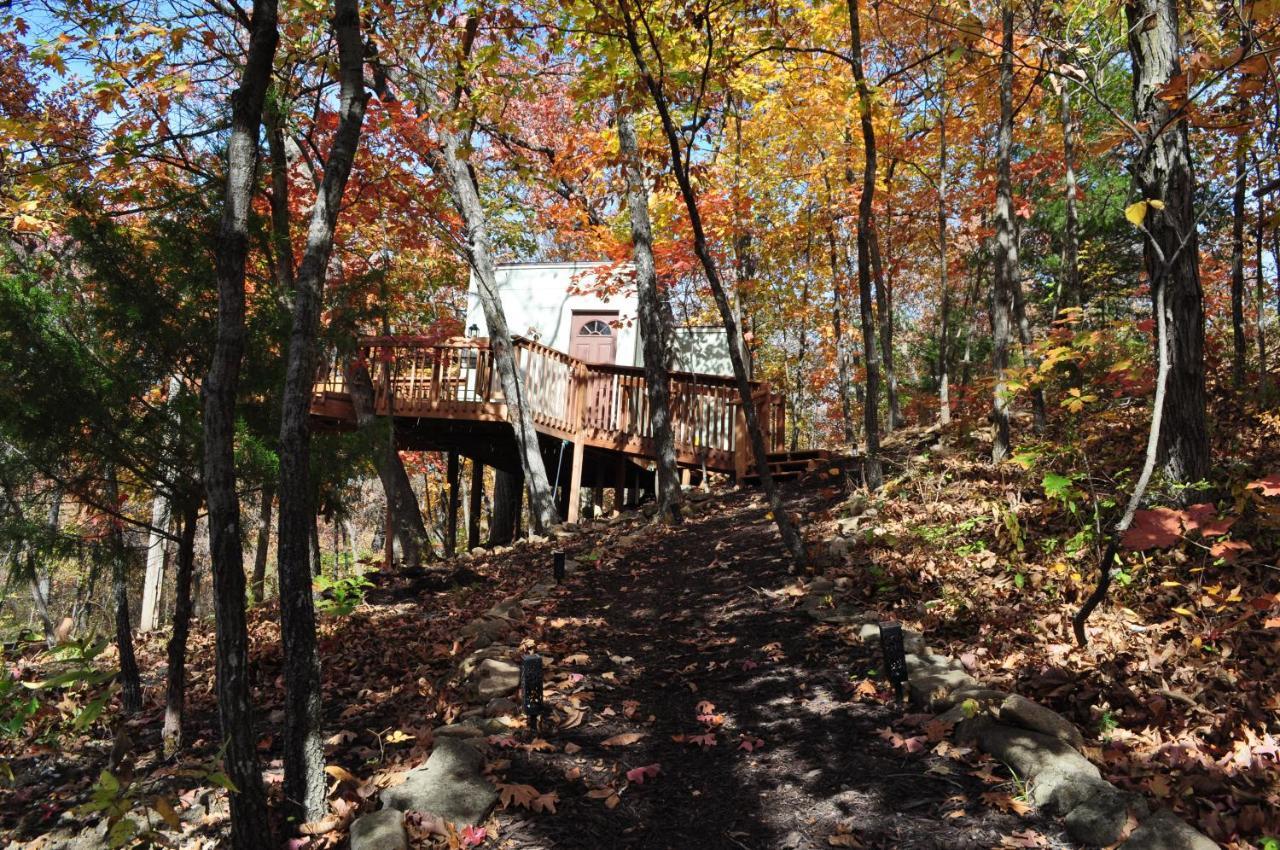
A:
(653, 334)
(157, 553)
(790, 538)
(130, 680)
(871, 471)
(1039, 416)
(1239, 341)
(1070, 292)
(40, 584)
(453, 495)
(508, 492)
(304, 778)
(844, 373)
(1163, 171)
(1006, 247)
(1260, 293)
(884, 312)
(467, 198)
(250, 828)
(408, 531)
(474, 504)
(944, 329)
(176, 679)
(259, 583)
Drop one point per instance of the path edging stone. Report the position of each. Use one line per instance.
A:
(1042, 747)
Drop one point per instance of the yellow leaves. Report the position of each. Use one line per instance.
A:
(1075, 400)
(1178, 609)
(1136, 212)
(24, 223)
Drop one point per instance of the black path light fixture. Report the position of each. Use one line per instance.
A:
(531, 688)
(895, 656)
(557, 565)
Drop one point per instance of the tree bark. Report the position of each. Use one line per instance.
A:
(453, 478)
(304, 778)
(508, 492)
(176, 678)
(1260, 292)
(790, 538)
(130, 680)
(884, 312)
(1070, 292)
(408, 531)
(259, 583)
(1240, 344)
(157, 554)
(1006, 246)
(871, 471)
(250, 828)
(475, 504)
(653, 334)
(944, 329)
(1164, 172)
(844, 372)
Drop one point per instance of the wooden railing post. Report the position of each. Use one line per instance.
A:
(741, 446)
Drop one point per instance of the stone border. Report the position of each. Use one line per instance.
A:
(1041, 747)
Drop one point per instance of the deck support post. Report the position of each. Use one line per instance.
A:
(474, 504)
(741, 448)
(619, 483)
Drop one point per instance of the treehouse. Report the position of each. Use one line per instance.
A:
(578, 356)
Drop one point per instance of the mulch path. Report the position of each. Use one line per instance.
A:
(683, 634)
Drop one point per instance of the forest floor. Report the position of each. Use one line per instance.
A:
(697, 705)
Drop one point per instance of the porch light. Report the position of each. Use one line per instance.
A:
(895, 656)
(473, 331)
(531, 688)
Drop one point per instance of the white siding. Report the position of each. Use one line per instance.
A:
(536, 298)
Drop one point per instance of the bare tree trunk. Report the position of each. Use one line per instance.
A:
(454, 497)
(1039, 416)
(176, 678)
(1006, 249)
(259, 583)
(157, 554)
(1239, 341)
(653, 337)
(409, 532)
(844, 373)
(884, 312)
(130, 680)
(790, 538)
(250, 828)
(474, 504)
(1260, 293)
(304, 778)
(508, 492)
(944, 330)
(1164, 172)
(871, 471)
(1070, 292)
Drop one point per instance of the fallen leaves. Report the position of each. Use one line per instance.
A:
(639, 774)
(625, 739)
(527, 797)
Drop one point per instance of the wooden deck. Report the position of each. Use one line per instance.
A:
(447, 396)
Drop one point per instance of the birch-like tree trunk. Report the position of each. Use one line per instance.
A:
(176, 676)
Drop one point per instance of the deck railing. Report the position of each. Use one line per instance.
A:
(606, 405)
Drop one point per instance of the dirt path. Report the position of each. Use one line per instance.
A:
(682, 634)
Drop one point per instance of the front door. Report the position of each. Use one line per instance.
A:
(593, 338)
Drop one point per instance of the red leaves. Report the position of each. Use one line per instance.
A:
(639, 774)
(1268, 486)
(1160, 528)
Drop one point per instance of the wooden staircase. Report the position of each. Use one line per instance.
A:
(787, 466)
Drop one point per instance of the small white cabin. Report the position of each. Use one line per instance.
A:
(556, 304)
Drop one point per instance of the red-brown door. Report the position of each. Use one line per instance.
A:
(592, 338)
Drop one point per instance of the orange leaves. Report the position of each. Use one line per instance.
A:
(625, 739)
(527, 797)
(1267, 486)
(1006, 802)
(1160, 528)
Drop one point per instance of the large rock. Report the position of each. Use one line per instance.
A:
(1103, 818)
(496, 678)
(1017, 710)
(1165, 831)
(380, 830)
(932, 687)
(1060, 778)
(450, 785)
